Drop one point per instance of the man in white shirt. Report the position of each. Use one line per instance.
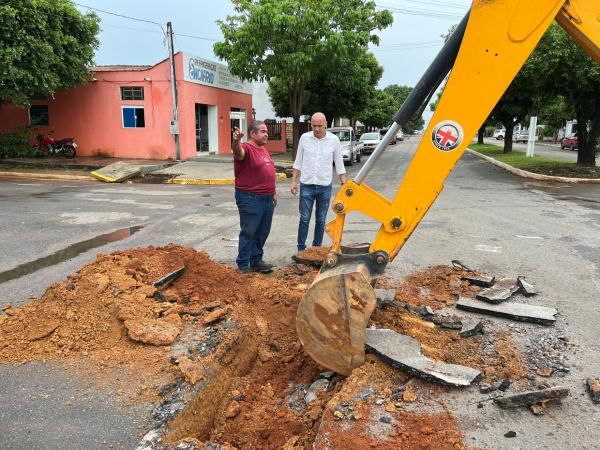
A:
(317, 150)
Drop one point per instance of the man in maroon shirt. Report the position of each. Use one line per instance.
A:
(255, 195)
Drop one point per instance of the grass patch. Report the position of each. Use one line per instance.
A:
(538, 164)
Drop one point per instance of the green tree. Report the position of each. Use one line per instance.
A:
(554, 112)
(47, 45)
(380, 111)
(340, 87)
(566, 69)
(513, 107)
(400, 93)
(291, 39)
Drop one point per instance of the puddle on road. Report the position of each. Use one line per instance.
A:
(68, 252)
(587, 195)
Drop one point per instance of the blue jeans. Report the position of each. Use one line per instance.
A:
(256, 214)
(309, 195)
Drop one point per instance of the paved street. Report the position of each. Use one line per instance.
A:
(485, 217)
(547, 149)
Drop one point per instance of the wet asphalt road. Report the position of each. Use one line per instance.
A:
(484, 217)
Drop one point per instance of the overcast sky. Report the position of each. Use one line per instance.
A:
(405, 51)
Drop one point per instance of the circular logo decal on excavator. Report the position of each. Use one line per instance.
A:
(447, 135)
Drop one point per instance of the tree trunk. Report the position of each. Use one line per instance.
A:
(296, 99)
(586, 140)
(508, 147)
(480, 133)
(330, 118)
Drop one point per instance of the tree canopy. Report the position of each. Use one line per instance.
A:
(47, 45)
(380, 111)
(400, 93)
(341, 87)
(291, 39)
(565, 69)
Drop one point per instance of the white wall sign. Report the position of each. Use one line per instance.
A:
(202, 71)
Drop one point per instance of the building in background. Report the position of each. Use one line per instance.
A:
(126, 111)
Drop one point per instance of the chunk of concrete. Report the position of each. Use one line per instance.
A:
(516, 311)
(593, 386)
(152, 331)
(526, 288)
(313, 390)
(482, 281)
(532, 397)
(451, 323)
(471, 328)
(495, 294)
(121, 171)
(404, 352)
(385, 297)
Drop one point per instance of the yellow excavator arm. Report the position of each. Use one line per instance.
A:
(484, 54)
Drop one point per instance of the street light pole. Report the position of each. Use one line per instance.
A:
(174, 128)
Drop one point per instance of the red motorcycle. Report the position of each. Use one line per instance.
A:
(46, 144)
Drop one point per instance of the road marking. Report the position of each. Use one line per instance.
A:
(488, 248)
(529, 237)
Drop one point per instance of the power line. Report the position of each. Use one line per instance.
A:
(203, 38)
(120, 15)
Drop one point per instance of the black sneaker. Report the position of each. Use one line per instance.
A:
(261, 266)
(243, 270)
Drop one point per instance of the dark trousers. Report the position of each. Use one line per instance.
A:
(256, 214)
(311, 194)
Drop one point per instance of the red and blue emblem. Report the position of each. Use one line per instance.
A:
(447, 135)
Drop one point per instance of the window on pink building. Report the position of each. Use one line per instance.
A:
(38, 115)
(132, 93)
(133, 117)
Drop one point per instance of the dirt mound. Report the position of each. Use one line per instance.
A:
(253, 381)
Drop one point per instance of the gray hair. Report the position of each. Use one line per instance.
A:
(254, 126)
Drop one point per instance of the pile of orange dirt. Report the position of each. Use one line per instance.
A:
(313, 255)
(380, 408)
(89, 322)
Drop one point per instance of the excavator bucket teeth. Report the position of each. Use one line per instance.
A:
(333, 315)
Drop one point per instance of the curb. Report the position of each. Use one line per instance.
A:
(535, 176)
(214, 181)
(46, 176)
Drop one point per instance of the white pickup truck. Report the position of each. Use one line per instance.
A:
(351, 147)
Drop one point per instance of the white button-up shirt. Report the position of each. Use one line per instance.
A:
(315, 156)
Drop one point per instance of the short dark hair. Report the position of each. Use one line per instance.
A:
(253, 127)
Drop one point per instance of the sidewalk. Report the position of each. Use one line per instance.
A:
(209, 169)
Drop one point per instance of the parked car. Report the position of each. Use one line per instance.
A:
(370, 141)
(351, 148)
(499, 135)
(569, 142)
(399, 136)
(521, 136)
(383, 132)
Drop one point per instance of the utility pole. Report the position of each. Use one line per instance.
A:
(174, 128)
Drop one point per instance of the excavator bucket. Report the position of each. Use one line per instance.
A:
(333, 314)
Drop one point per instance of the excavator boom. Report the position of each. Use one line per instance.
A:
(484, 54)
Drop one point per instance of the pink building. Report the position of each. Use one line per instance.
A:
(126, 111)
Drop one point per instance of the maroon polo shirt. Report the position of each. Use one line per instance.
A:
(256, 172)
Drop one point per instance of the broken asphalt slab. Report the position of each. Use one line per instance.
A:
(526, 288)
(479, 281)
(404, 352)
(121, 171)
(532, 397)
(516, 311)
(500, 292)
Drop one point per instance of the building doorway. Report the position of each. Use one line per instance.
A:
(206, 129)
(238, 119)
